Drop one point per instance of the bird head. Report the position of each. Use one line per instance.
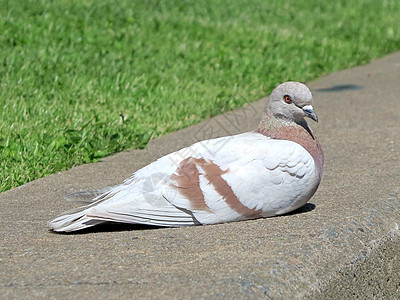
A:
(291, 101)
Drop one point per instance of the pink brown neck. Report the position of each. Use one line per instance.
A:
(281, 129)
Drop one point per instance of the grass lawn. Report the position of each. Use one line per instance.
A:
(81, 79)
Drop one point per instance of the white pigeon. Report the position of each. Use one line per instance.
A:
(271, 171)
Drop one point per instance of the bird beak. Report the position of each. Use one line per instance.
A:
(309, 112)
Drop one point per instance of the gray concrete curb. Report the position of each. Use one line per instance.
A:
(345, 243)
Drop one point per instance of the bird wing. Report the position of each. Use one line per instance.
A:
(145, 197)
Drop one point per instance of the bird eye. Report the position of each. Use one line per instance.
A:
(287, 99)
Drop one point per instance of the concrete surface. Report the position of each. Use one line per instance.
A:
(345, 243)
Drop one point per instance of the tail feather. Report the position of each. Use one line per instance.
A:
(72, 220)
(87, 197)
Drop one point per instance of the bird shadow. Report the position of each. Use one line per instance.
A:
(301, 210)
(116, 227)
(111, 227)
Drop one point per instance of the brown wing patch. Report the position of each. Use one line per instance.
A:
(188, 184)
(214, 174)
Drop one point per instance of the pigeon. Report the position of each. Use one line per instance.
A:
(267, 172)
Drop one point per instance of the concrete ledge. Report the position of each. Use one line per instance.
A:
(345, 242)
(374, 274)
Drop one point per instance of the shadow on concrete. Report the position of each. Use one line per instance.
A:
(304, 209)
(110, 227)
(340, 88)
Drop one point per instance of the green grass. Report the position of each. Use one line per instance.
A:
(81, 79)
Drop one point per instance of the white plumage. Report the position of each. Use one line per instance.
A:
(250, 175)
